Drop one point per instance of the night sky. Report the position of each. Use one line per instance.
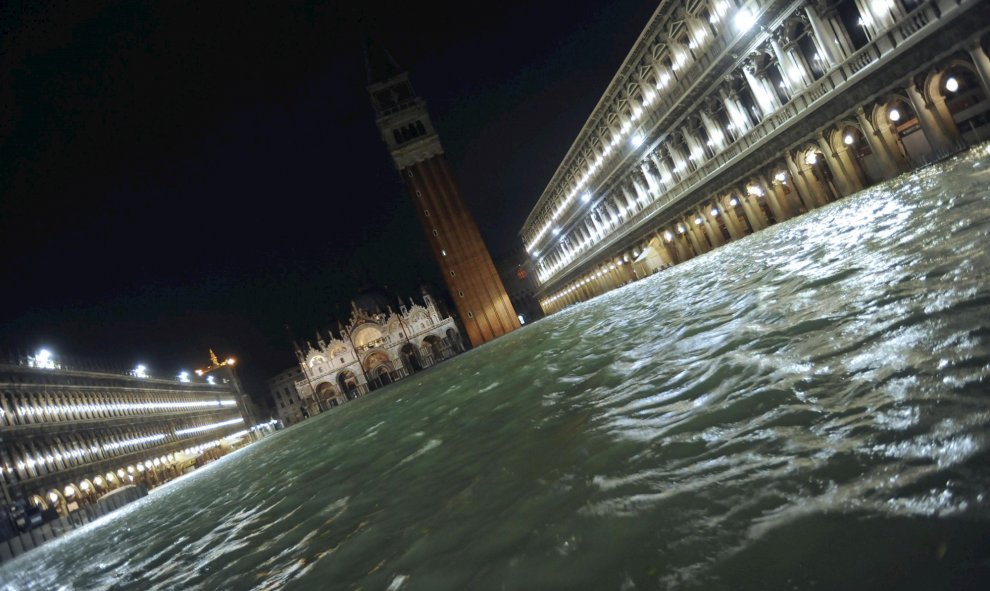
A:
(176, 176)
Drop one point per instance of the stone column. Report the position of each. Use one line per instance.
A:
(779, 213)
(740, 123)
(764, 100)
(827, 42)
(982, 63)
(838, 173)
(714, 132)
(787, 209)
(891, 164)
(850, 163)
(680, 246)
(737, 229)
(783, 62)
(809, 193)
(787, 193)
(929, 120)
(754, 213)
(699, 245)
(711, 227)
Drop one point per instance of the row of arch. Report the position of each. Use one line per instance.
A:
(24, 458)
(151, 473)
(937, 113)
(746, 98)
(380, 369)
(43, 407)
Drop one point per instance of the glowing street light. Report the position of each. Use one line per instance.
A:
(951, 84)
(894, 115)
(43, 359)
(780, 177)
(849, 139)
(637, 139)
(140, 371)
(733, 202)
(183, 376)
(744, 20)
(811, 158)
(586, 197)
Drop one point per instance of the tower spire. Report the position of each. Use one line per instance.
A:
(379, 63)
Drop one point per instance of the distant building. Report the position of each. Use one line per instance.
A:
(516, 272)
(377, 347)
(289, 405)
(68, 436)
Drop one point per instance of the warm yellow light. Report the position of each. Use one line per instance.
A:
(69, 491)
(231, 361)
(199, 372)
(84, 486)
(53, 496)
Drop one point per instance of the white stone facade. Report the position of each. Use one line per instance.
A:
(374, 350)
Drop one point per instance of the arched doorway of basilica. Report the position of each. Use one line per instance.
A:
(348, 384)
(436, 348)
(378, 368)
(325, 395)
(410, 358)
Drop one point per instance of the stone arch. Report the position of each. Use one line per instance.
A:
(325, 393)
(381, 375)
(410, 358)
(378, 366)
(434, 345)
(815, 173)
(958, 98)
(39, 502)
(347, 382)
(896, 121)
(853, 152)
(56, 501)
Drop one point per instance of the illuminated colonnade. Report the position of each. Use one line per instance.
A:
(71, 436)
(704, 163)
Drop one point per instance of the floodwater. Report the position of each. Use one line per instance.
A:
(806, 408)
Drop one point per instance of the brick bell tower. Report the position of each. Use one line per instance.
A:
(472, 281)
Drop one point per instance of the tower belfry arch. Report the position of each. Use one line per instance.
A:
(461, 254)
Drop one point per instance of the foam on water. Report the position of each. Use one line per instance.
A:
(804, 408)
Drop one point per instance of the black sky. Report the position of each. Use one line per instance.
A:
(182, 175)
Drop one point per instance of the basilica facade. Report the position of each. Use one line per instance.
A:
(377, 347)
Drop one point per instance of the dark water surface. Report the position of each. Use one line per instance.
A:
(806, 408)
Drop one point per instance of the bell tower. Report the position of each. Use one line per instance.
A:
(467, 268)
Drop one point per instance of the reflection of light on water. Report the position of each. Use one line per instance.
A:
(821, 373)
